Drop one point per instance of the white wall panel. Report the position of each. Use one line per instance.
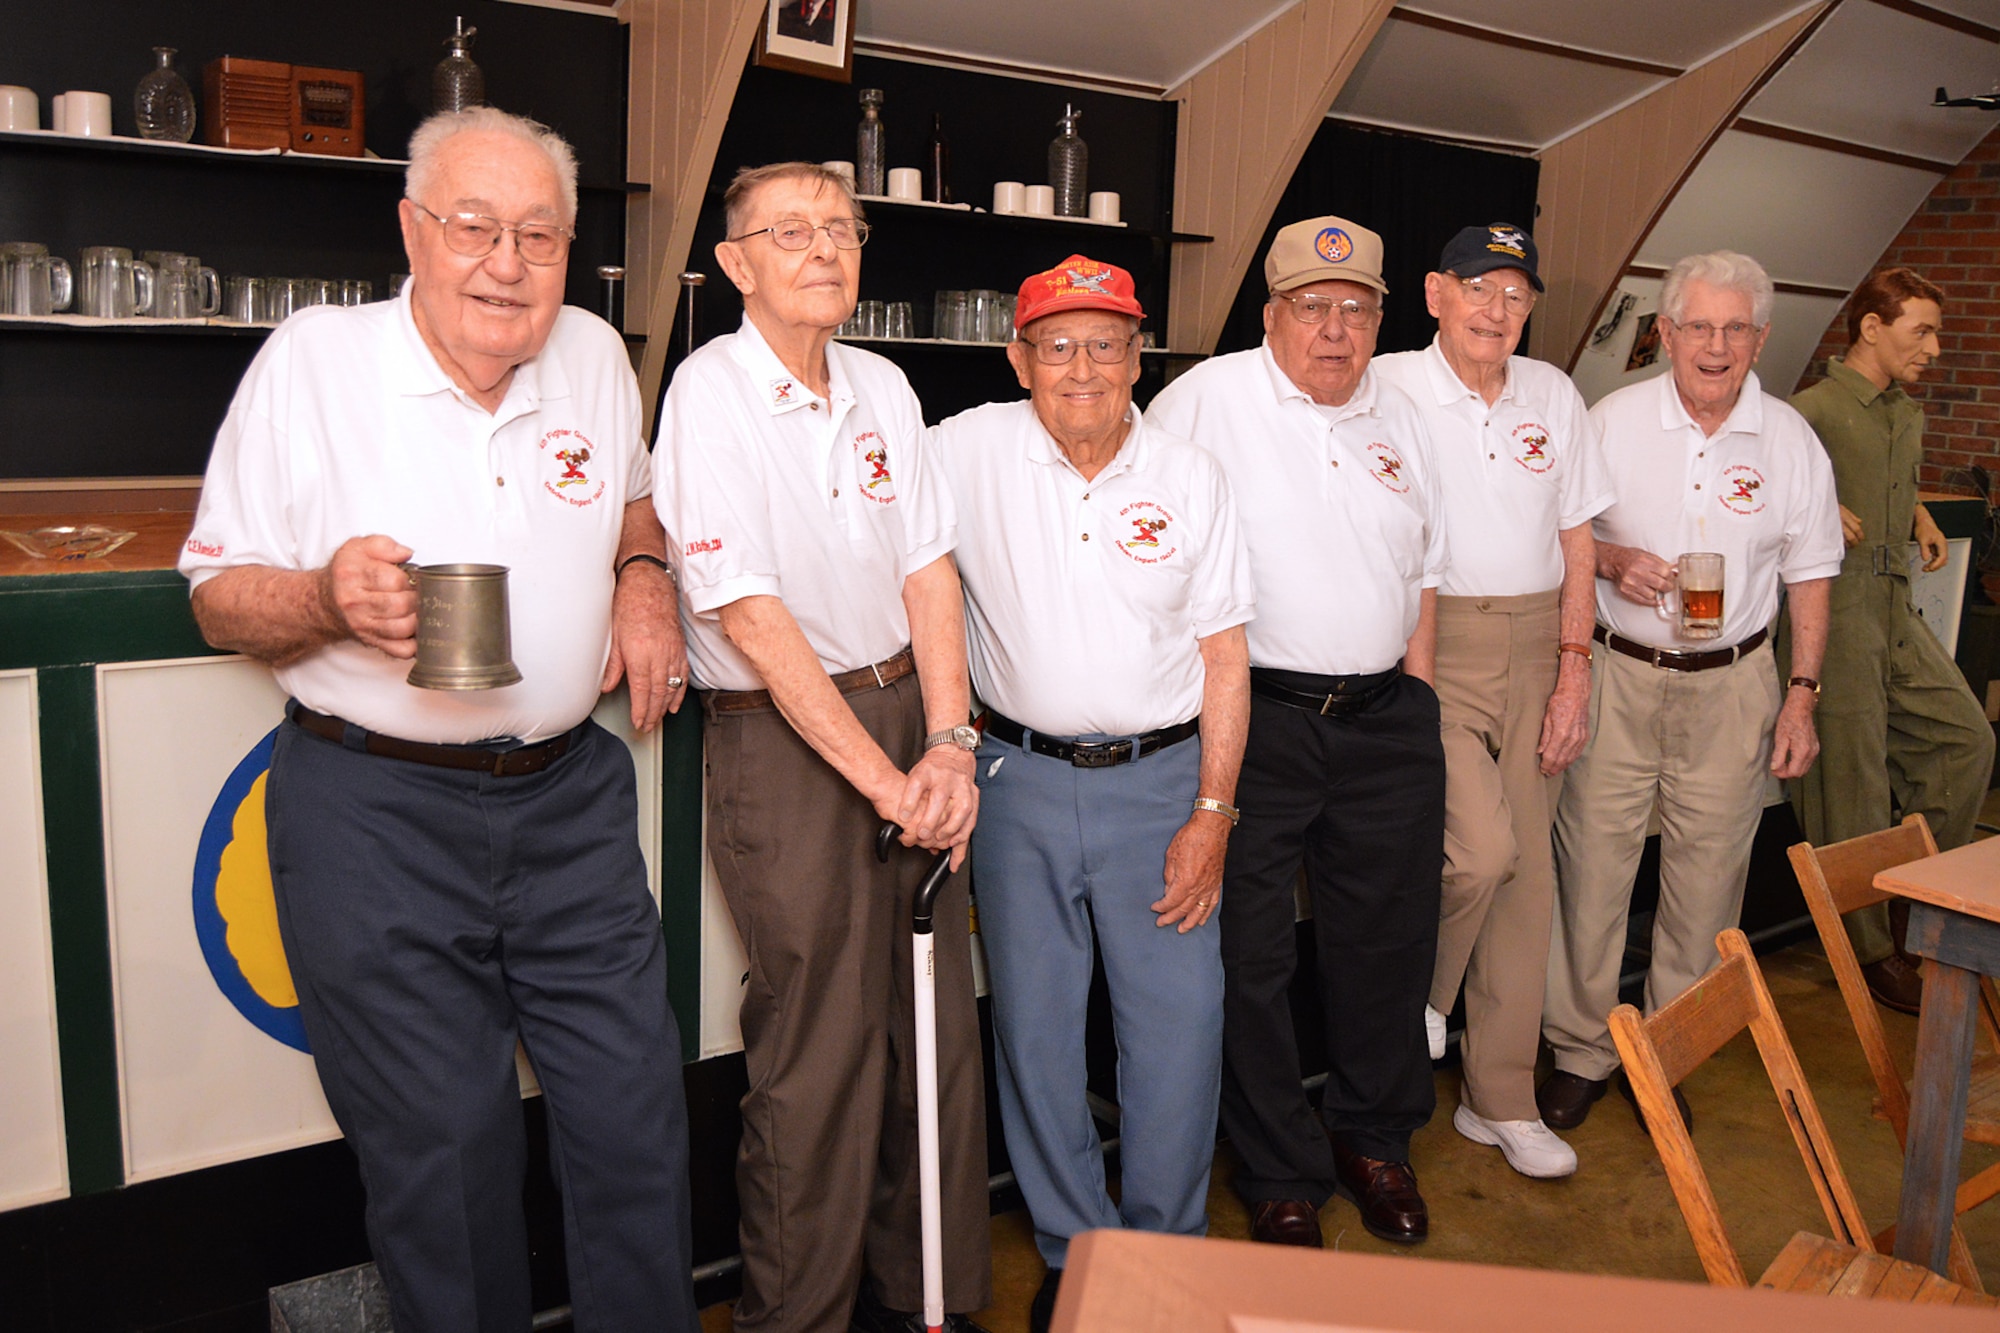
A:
(33, 1165)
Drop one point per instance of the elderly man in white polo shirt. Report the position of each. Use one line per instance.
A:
(456, 872)
(1522, 478)
(827, 630)
(1344, 772)
(1106, 593)
(1701, 460)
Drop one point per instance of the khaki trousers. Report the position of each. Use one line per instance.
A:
(826, 1176)
(1496, 667)
(1698, 745)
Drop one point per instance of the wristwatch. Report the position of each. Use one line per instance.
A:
(964, 737)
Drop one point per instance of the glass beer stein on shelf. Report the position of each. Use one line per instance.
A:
(184, 289)
(111, 284)
(31, 282)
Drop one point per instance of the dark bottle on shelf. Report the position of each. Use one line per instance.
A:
(687, 319)
(937, 185)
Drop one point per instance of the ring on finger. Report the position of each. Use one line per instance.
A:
(675, 682)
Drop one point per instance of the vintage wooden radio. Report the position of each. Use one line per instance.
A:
(269, 104)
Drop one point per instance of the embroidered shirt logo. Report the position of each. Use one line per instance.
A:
(1148, 535)
(196, 546)
(570, 451)
(1740, 485)
(876, 482)
(1531, 441)
(1388, 468)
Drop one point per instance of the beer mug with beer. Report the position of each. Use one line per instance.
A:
(1694, 602)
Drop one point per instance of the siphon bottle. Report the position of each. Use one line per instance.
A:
(871, 158)
(1069, 167)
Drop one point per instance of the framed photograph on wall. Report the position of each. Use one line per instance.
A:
(813, 37)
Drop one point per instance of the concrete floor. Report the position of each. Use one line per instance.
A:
(1617, 1214)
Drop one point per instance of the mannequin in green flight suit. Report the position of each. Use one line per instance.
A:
(1898, 726)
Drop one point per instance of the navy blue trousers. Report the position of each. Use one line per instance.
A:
(432, 917)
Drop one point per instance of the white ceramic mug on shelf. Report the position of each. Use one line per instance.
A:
(1042, 201)
(56, 113)
(1104, 206)
(87, 114)
(20, 109)
(1009, 197)
(906, 183)
(845, 170)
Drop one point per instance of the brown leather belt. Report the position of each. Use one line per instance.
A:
(879, 677)
(1669, 660)
(1090, 754)
(515, 763)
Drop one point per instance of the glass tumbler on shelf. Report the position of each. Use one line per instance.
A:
(1069, 167)
(981, 313)
(356, 291)
(872, 317)
(948, 322)
(162, 103)
(242, 298)
(871, 160)
(901, 321)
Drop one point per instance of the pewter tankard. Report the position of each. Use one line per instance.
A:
(463, 639)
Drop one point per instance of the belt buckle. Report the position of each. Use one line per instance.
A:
(1093, 754)
(876, 667)
(1657, 663)
(1326, 705)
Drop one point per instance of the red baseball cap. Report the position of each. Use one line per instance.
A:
(1077, 283)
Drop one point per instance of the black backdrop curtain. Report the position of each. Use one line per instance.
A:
(1414, 192)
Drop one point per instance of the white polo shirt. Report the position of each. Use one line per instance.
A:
(1084, 599)
(1760, 491)
(345, 425)
(768, 490)
(1339, 505)
(1514, 473)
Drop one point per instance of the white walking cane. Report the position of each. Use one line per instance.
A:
(923, 958)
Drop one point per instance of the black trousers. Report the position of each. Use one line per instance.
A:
(1358, 800)
(431, 917)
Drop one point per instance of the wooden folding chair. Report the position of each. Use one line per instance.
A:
(1839, 878)
(1662, 1050)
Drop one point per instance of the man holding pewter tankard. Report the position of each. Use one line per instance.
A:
(456, 871)
(1687, 711)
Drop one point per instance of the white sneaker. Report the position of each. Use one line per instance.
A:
(1529, 1146)
(1434, 1029)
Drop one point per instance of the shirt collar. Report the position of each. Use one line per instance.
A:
(1449, 388)
(413, 369)
(1361, 404)
(1859, 384)
(1747, 417)
(1131, 455)
(777, 388)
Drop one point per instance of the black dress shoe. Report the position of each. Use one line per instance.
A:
(1680, 1103)
(1386, 1193)
(1043, 1308)
(1895, 984)
(871, 1316)
(1286, 1222)
(1565, 1099)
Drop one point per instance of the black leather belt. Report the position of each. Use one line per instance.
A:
(1344, 694)
(1089, 754)
(1669, 660)
(515, 763)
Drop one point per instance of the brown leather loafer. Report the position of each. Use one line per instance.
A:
(1680, 1103)
(1565, 1099)
(1386, 1193)
(1895, 984)
(1286, 1222)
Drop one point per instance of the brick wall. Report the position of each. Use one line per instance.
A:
(1954, 240)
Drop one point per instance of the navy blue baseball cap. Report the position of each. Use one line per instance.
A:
(1477, 250)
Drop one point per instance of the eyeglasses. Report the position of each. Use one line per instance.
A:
(1480, 292)
(1315, 309)
(797, 233)
(1062, 351)
(475, 236)
(1736, 333)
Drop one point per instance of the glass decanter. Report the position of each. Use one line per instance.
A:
(162, 103)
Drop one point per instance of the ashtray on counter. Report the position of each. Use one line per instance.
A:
(88, 541)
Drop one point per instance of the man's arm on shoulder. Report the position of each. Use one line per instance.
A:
(280, 615)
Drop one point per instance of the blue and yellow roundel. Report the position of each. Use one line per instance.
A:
(1333, 245)
(235, 912)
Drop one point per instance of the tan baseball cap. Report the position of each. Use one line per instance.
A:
(1325, 248)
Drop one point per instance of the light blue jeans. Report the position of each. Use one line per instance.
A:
(1061, 853)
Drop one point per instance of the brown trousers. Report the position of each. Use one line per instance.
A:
(826, 1176)
(1496, 667)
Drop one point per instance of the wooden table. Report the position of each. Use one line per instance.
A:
(1955, 923)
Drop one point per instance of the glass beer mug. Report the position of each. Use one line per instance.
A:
(1694, 602)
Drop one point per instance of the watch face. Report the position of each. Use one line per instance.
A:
(965, 737)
